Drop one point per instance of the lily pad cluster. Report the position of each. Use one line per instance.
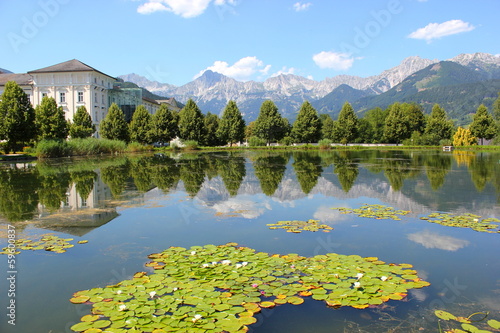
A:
(468, 324)
(379, 212)
(48, 243)
(299, 226)
(474, 222)
(221, 288)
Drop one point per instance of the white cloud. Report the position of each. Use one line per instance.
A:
(242, 70)
(284, 70)
(431, 240)
(438, 30)
(184, 8)
(299, 7)
(333, 60)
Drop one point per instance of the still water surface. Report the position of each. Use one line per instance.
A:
(129, 207)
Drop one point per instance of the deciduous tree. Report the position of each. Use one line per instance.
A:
(232, 125)
(50, 120)
(269, 125)
(483, 126)
(114, 126)
(82, 126)
(191, 126)
(165, 126)
(346, 127)
(307, 126)
(17, 124)
(141, 126)
(438, 126)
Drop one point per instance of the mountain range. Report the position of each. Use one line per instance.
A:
(460, 84)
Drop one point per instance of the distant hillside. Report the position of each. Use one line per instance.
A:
(4, 71)
(337, 98)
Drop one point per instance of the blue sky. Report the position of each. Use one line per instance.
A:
(173, 41)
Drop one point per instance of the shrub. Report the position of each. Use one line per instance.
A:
(325, 144)
(286, 141)
(93, 146)
(190, 145)
(136, 147)
(52, 148)
(256, 142)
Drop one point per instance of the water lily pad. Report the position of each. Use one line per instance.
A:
(299, 226)
(379, 212)
(444, 315)
(494, 323)
(221, 288)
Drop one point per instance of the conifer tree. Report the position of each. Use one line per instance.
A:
(114, 126)
(17, 124)
(438, 125)
(82, 126)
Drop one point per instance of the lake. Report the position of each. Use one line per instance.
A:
(128, 207)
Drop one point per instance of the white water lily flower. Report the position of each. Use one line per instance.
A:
(238, 265)
(225, 262)
(214, 263)
(383, 278)
(152, 294)
(244, 263)
(122, 307)
(196, 318)
(357, 285)
(118, 292)
(193, 253)
(205, 265)
(174, 289)
(359, 275)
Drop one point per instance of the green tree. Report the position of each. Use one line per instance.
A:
(191, 126)
(346, 170)
(365, 131)
(414, 117)
(269, 170)
(483, 126)
(141, 126)
(326, 126)
(496, 109)
(114, 126)
(376, 117)
(82, 126)
(50, 120)
(84, 182)
(396, 126)
(232, 125)
(346, 126)
(211, 124)
(232, 171)
(17, 125)
(307, 126)
(269, 125)
(165, 126)
(438, 126)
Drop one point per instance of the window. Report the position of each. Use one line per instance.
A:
(80, 96)
(44, 95)
(102, 98)
(95, 98)
(62, 97)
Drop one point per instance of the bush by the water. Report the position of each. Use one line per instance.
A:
(256, 142)
(79, 147)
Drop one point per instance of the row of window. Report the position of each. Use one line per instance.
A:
(62, 97)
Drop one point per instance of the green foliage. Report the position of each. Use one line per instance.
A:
(365, 131)
(308, 168)
(376, 117)
(256, 142)
(307, 126)
(325, 144)
(496, 109)
(50, 120)
(287, 141)
(78, 147)
(269, 125)
(270, 169)
(190, 145)
(483, 126)
(52, 148)
(232, 125)
(141, 126)
(17, 125)
(464, 137)
(165, 125)
(326, 126)
(396, 127)
(438, 126)
(82, 126)
(346, 127)
(191, 122)
(114, 126)
(211, 125)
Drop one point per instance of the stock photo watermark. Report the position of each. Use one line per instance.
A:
(364, 35)
(31, 26)
(11, 275)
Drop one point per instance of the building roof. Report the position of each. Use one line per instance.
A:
(20, 79)
(68, 66)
